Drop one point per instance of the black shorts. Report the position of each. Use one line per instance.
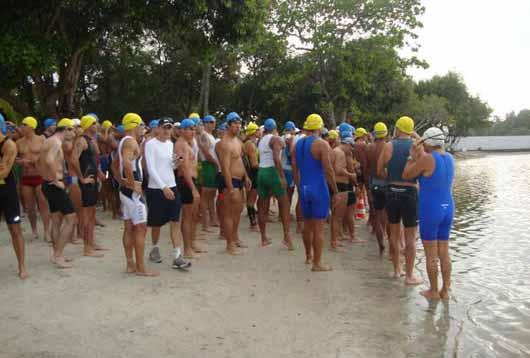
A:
(236, 183)
(89, 194)
(186, 195)
(58, 199)
(160, 210)
(343, 187)
(402, 205)
(253, 176)
(9, 204)
(378, 196)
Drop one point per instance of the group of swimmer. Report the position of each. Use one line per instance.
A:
(148, 173)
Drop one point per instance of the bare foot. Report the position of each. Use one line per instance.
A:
(254, 228)
(336, 248)
(23, 274)
(265, 242)
(34, 236)
(76, 241)
(233, 251)
(288, 244)
(99, 223)
(191, 255)
(92, 254)
(241, 244)
(207, 230)
(413, 281)
(444, 294)
(309, 260)
(61, 263)
(430, 295)
(99, 248)
(396, 275)
(321, 268)
(147, 273)
(131, 267)
(199, 250)
(68, 259)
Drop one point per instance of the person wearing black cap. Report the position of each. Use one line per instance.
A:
(163, 199)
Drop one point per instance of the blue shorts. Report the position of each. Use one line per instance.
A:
(314, 202)
(435, 221)
(289, 177)
(104, 162)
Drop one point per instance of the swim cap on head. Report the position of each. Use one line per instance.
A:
(49, 122)
(94, 115)
(222, 127)
(208, 119)
(120, 128)
(106, 124)
(345, 127)
(269, 125)
(131, 121)
(196, 121)
(30, 122)
(194, 115)
(434, 137)
(346, 134)
(360, 132)
(251, 128)
(289, 126)
(405, 124)
(187, 123)
(313, 122)
(333, 134)
(87, 121)
(232, 117)
(348, 140)
(380, 130)
(77, 122)
(324, 133)
(65, 123)
(153, 123)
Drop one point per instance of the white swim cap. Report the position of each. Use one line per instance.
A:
(434, 137)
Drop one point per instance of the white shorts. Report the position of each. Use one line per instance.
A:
(133, 209)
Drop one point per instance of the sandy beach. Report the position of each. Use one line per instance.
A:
(266, 303)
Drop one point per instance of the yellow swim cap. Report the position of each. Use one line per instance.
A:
(131, 120)
(405, 124)
(360, 132)
(30, 122)
(194, 115)
(333, 134)
(380, 130)
(65, 123)
(251, 128)
(106, 124)
(87, 121)
(313, 122)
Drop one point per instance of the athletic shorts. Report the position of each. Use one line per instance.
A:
(378, 197)
(435, 220)
(31, 180)
(346, 187)
(236, 183)
(161, 210)
(89, 194)
(314, 201)
(186, 195)
(208, 175)
(9, 204)
(402, 205)
(58, 199)
(289, 177)
(269, 182)
(104, 162)
(133, 207)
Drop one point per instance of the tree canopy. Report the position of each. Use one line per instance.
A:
(262, 58)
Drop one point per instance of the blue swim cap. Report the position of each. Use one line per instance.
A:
(48, 122)
(345, 127)
(232, 117)
(187, 123)
(345, 134)
(120, 128)
(3, 124)
(208, 119)
(94, 115)
(289, 126)
(154, 123)
(196, 121)
(269, 125)
(222, 127)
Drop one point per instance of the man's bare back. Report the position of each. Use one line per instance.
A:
(339, 164)
(52, 147)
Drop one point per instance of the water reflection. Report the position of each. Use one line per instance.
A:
(490, 247)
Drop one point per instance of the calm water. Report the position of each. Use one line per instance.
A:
(490, 247)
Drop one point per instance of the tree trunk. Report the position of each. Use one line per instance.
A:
(205, 88)
(331, 120)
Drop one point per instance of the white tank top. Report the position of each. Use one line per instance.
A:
(266, 160)
(195, 149)
(137, 168)
(210, 139)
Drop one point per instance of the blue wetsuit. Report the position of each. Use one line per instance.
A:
(436, 205)
(313, 190)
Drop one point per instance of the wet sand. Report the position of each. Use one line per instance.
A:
(266, 303)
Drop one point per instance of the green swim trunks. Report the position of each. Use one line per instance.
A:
(208, 175)
(269, 182)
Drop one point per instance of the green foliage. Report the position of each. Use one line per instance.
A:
(513, 124)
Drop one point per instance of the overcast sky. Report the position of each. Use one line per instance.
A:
(487, 42)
